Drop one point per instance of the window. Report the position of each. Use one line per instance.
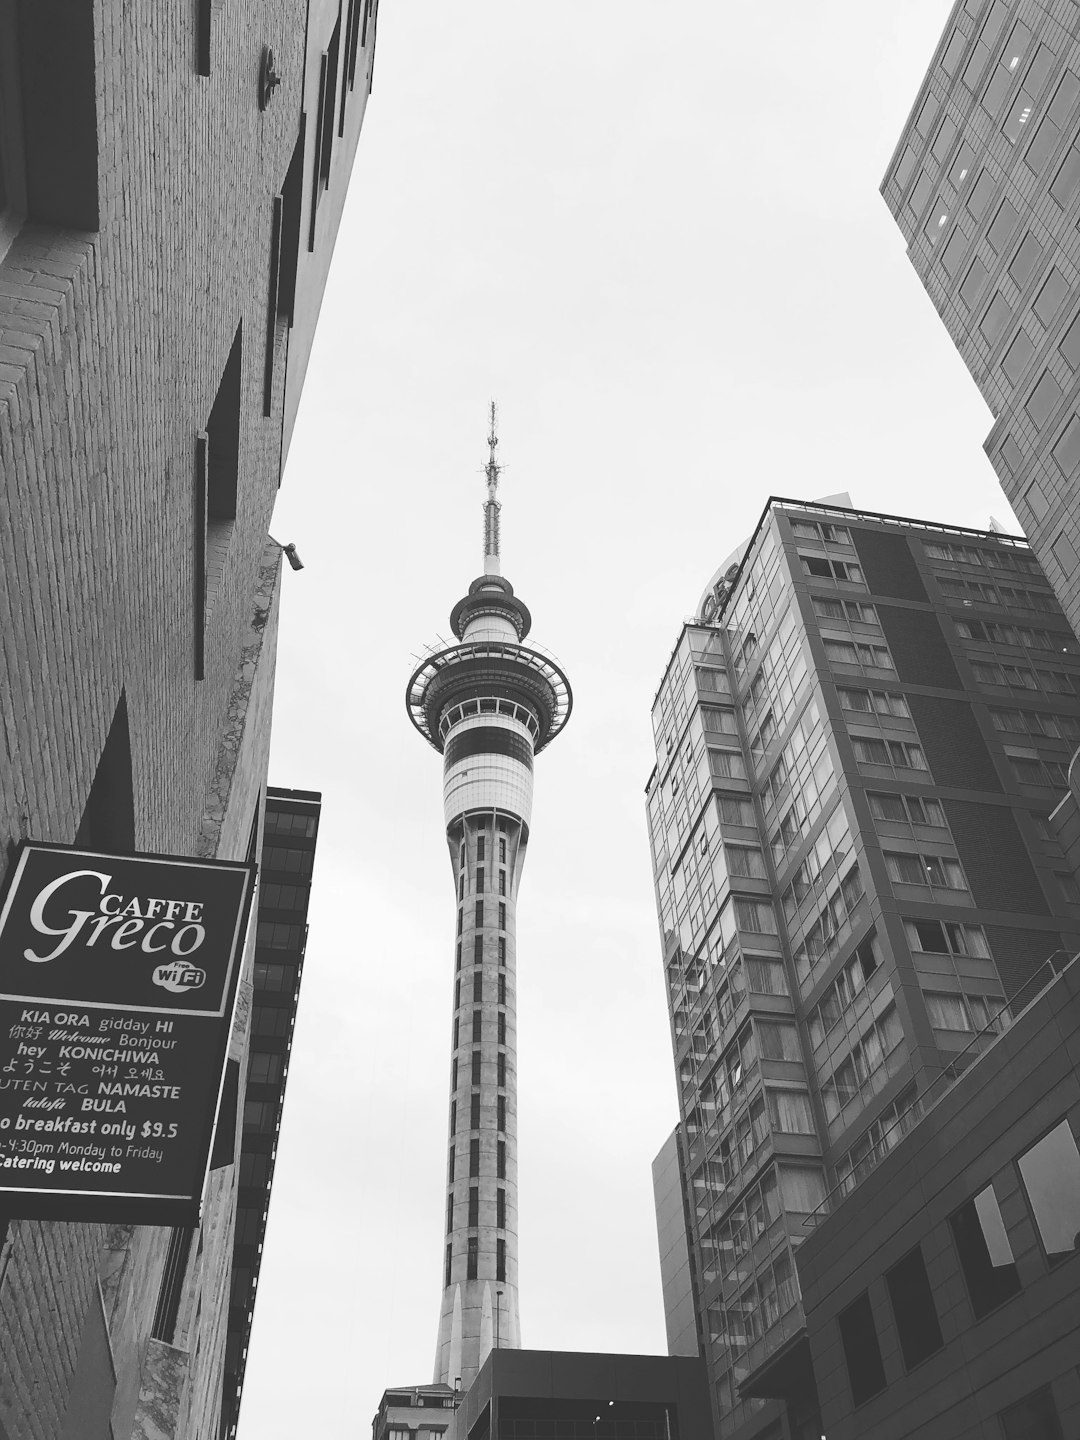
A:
(280, 979)
(474, 1159)
(986, 1257)
(500, 1259)
(473, 1255)
(897, 753)
(827, 569)
(478, 949)
(477, 1026)
(777, 1041)
(982, 193)
(938, 937)
(502, 882)
(502, 989)
(217, 465)
(481, 846)
(446, 1272)
(947, 1012)
(913, 1309)
(449, 1212)
(1002, 228)
(961, 166)
(802, 1190)
(1034, 1417)
(502, 949)
(478, 913)
(1043, 400)
(478, 987)
(501, 1081)
(264, 1069)
(502, 1027)
(324, 131)
(501, 1103)
(1018, 357)
(874, 702)
(727, 765)
(790, 1112)
(480, 878)
(1063, 186)
(1051, 1174)
(502, 850)
(765, 977)
(1025, 261)
(997, 317)
(500, 1160)
(502, 915)
(475, 1078)
(973, 284)
(453, 1117)
(862, 1354)
(1049, 299)
(474, 1206)
(500, 1208)
(938, 870)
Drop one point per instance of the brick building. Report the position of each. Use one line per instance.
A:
(859, 743)
(169, 199)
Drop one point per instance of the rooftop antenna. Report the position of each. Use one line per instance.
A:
(492, 563)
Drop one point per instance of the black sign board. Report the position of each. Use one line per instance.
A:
(118, 980)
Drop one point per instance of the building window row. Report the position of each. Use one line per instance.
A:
(1035, 722)
(844, 991)
(880, 1136)
(895, 754)
(865, 1070)
(912, 810)
(988, 632)
(1011, 596)
(802, 756)
(1003, 559)
(819, 567)
(941, 872)
(965, 1013)
(853, 612)
(829, 852)
(823, 937)
(822, 531)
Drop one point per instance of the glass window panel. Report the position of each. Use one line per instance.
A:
(862, 1353)
(1034, 1417)
(801, 1189)
(1025, 260)
(986, 1257)
(1063, 186)
(947, 1012)
(1070, 345)
(920, 194)
(1051, 1175)
(998, 314)
(913, 1308)
(973, 284)
(961, 166)
(1043, 399)
(1018, 357)
(981, 194)
(1049, 299)
(1003, 226)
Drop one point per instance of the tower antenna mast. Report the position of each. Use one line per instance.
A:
(492, 559)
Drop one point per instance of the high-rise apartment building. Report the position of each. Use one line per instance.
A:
(488, 704)
(171, 181)
(859, 743)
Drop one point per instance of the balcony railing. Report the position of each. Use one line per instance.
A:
(942, 1084)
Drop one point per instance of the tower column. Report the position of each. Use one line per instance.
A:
(489, 704)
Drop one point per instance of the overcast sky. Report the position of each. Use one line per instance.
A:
(653, 234)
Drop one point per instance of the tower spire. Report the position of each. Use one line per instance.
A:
(492, 562)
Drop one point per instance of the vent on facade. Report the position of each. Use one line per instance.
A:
(172, 1284)
(108, 821)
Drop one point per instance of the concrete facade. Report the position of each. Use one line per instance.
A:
(155, 225)
(996, 1340)
(855, 869)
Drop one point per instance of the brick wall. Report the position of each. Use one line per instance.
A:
(112, 347)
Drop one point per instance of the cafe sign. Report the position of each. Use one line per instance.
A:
(118, 978)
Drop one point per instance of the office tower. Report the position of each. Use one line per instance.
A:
(488, 704)
(290, 832)
(859, 742)
(169, 200)
(985, 187)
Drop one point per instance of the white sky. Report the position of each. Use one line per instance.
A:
(653, 235)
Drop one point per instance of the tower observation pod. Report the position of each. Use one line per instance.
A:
(489, 704)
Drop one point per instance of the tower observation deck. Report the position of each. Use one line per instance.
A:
(488, 704)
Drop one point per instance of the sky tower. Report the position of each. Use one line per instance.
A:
(488, 704)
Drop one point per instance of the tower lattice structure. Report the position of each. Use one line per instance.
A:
(488, 704)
